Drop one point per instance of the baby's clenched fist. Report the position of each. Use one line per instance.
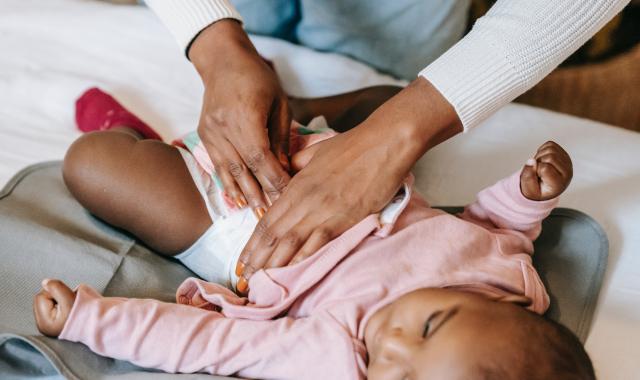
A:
(548, 174)
(51, 307)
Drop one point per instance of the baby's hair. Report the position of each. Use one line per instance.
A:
(569, 358)
(549, 351)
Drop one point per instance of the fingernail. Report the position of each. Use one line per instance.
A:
(45, 282)
(260, 211)
(239, 268)
(530, 162)
(240, 201)
(242, 285)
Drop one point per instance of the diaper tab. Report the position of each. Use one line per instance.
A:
(392, 211)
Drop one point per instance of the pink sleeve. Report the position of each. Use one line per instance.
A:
(180, 338)
(503, 206)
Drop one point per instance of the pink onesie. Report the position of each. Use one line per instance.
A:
(307, 321)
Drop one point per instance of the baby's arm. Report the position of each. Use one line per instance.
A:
(181, 338)
(521, 201)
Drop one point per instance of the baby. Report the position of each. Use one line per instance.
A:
(410, 293)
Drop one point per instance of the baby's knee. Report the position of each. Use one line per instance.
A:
(88, 155)
(77, 159)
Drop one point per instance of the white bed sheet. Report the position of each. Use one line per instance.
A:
(51, 50)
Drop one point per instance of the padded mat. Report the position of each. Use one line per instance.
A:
(44, 232)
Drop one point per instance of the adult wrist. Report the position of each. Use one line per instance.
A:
(424, 119)
(216, 42)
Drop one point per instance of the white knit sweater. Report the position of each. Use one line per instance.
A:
(508, 51)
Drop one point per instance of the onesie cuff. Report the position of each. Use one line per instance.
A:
(391, 212)
(506, 202)
(512, 186)
(78, 322)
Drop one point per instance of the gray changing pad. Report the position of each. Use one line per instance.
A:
(44, 232)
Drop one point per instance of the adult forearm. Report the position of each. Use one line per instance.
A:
(514, 46)
(420, 118)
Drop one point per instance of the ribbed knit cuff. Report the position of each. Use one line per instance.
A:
(77, 324)
(475, 76)
(186, 18)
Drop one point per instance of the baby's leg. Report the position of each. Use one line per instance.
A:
(343, 111)
(141, 186)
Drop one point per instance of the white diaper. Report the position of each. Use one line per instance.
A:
(214, 256)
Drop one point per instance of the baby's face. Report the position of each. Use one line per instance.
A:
(437, 334)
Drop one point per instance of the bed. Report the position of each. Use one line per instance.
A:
(52, 50)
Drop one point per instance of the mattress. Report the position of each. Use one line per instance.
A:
(51, 50)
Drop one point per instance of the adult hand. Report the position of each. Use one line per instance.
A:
(245, 117)
(350, 176)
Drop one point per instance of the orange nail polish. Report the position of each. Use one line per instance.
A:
(260, 211)
(240, 201)
(239, 268)
(242, 285)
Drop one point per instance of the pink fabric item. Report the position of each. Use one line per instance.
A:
(307, 321)
(98, 111)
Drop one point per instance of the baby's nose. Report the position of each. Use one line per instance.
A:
(397, 345)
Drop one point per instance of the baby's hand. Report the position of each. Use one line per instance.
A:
(548, 174)
(51, 307)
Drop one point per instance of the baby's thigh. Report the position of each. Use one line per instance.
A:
(141, 186)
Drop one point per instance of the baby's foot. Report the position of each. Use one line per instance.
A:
(98, 111)
(548, 174)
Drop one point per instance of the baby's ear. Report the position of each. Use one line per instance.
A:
(302, 158)
(520, 300)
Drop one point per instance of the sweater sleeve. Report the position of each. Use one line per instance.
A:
(186, 19)
(514, 46)
(503, 206)
(187, 339)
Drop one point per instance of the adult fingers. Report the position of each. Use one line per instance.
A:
(215, 146)
(266, 168)
(237, 179)
(251, 140)
(290, 243)
(320, 236)
(267, 235)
